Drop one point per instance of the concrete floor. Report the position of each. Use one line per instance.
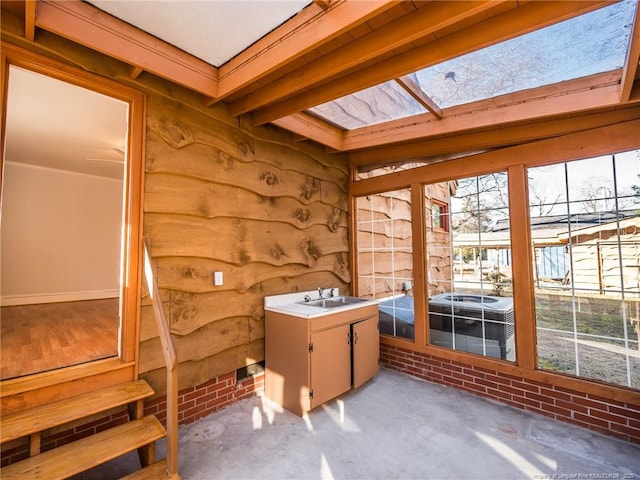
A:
(394, 427)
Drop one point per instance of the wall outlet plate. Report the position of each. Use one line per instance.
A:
(217, 279)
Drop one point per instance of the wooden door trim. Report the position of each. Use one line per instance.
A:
(125, 366)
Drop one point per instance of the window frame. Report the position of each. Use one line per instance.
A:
(604, 140)
(70, 379)
(443, 216)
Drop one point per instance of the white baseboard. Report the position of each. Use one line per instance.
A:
(12, 300)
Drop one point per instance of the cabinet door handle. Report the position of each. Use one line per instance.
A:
(348, 338)
(355, 338)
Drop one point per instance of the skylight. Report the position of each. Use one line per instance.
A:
(592, 43)
(381, 103)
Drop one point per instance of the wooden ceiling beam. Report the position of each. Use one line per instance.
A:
(499, 136)
(84, 24)
(30, 20)
(630, 68)
(596, 91)
(526, 18)
(413, 89)
(422, 22)
(584, 144)
(323, 4)
(313, 128)
(293, 40)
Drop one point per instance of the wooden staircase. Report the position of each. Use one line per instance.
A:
(140, 433)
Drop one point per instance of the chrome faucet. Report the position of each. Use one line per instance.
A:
(321, 291)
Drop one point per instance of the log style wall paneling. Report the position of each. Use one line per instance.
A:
(269, 213)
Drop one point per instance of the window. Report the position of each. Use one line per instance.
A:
(581, 235)
(587, 309)
(439, 212)
(385, 258)
(470, 305)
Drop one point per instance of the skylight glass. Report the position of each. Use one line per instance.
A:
(592, 43)
(381, 103)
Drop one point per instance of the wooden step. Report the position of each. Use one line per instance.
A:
(152, 472)
(37, 419)
(81, 455)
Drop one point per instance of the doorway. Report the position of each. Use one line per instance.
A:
(70, 219)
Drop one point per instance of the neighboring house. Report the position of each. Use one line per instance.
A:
(597, 263)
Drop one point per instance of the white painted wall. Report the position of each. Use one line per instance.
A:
(60, 235)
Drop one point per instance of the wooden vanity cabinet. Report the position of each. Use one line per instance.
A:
(309, 361)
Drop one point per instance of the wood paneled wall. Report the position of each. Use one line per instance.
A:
(269, 213)
(220, 195)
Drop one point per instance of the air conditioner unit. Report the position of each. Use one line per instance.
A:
(473, 323)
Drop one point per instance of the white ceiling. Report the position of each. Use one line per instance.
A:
(212, 30)
(54, 124)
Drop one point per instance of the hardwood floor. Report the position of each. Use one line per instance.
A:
(37, 338)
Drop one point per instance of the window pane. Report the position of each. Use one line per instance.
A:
(585, 228)
(469, 267)
(381, 103)
(385, 258)
(581, 46)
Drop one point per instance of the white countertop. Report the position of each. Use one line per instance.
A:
(287, 304)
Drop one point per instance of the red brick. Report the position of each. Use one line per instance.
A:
(605, 400)
(195, 395)
(555, 394)
(217, 386)
(591, 420)
(442, 371)
(498, 394)
(513, 391)
(625, 429)
(526, 386)
(486, 383)
(632, 414)
(528, 401)
(572, 406)
(453, 381)
(474, 387)
(540, 398)
(185, 391)
(589, 403)
(485, 370)
(558, 411)
(455, 368)
(607, 416)
(463, 377)
(192, 412)
(498, 379)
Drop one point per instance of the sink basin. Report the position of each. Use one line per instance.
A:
(333, 302)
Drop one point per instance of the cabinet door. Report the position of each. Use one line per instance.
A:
(366, 350)
(330, 364)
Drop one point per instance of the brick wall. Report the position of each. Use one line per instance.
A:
(193, 404)
(216, 394)
(613, 418)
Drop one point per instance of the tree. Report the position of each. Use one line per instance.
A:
(597, 197)
(541, 202)
(479, 202)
